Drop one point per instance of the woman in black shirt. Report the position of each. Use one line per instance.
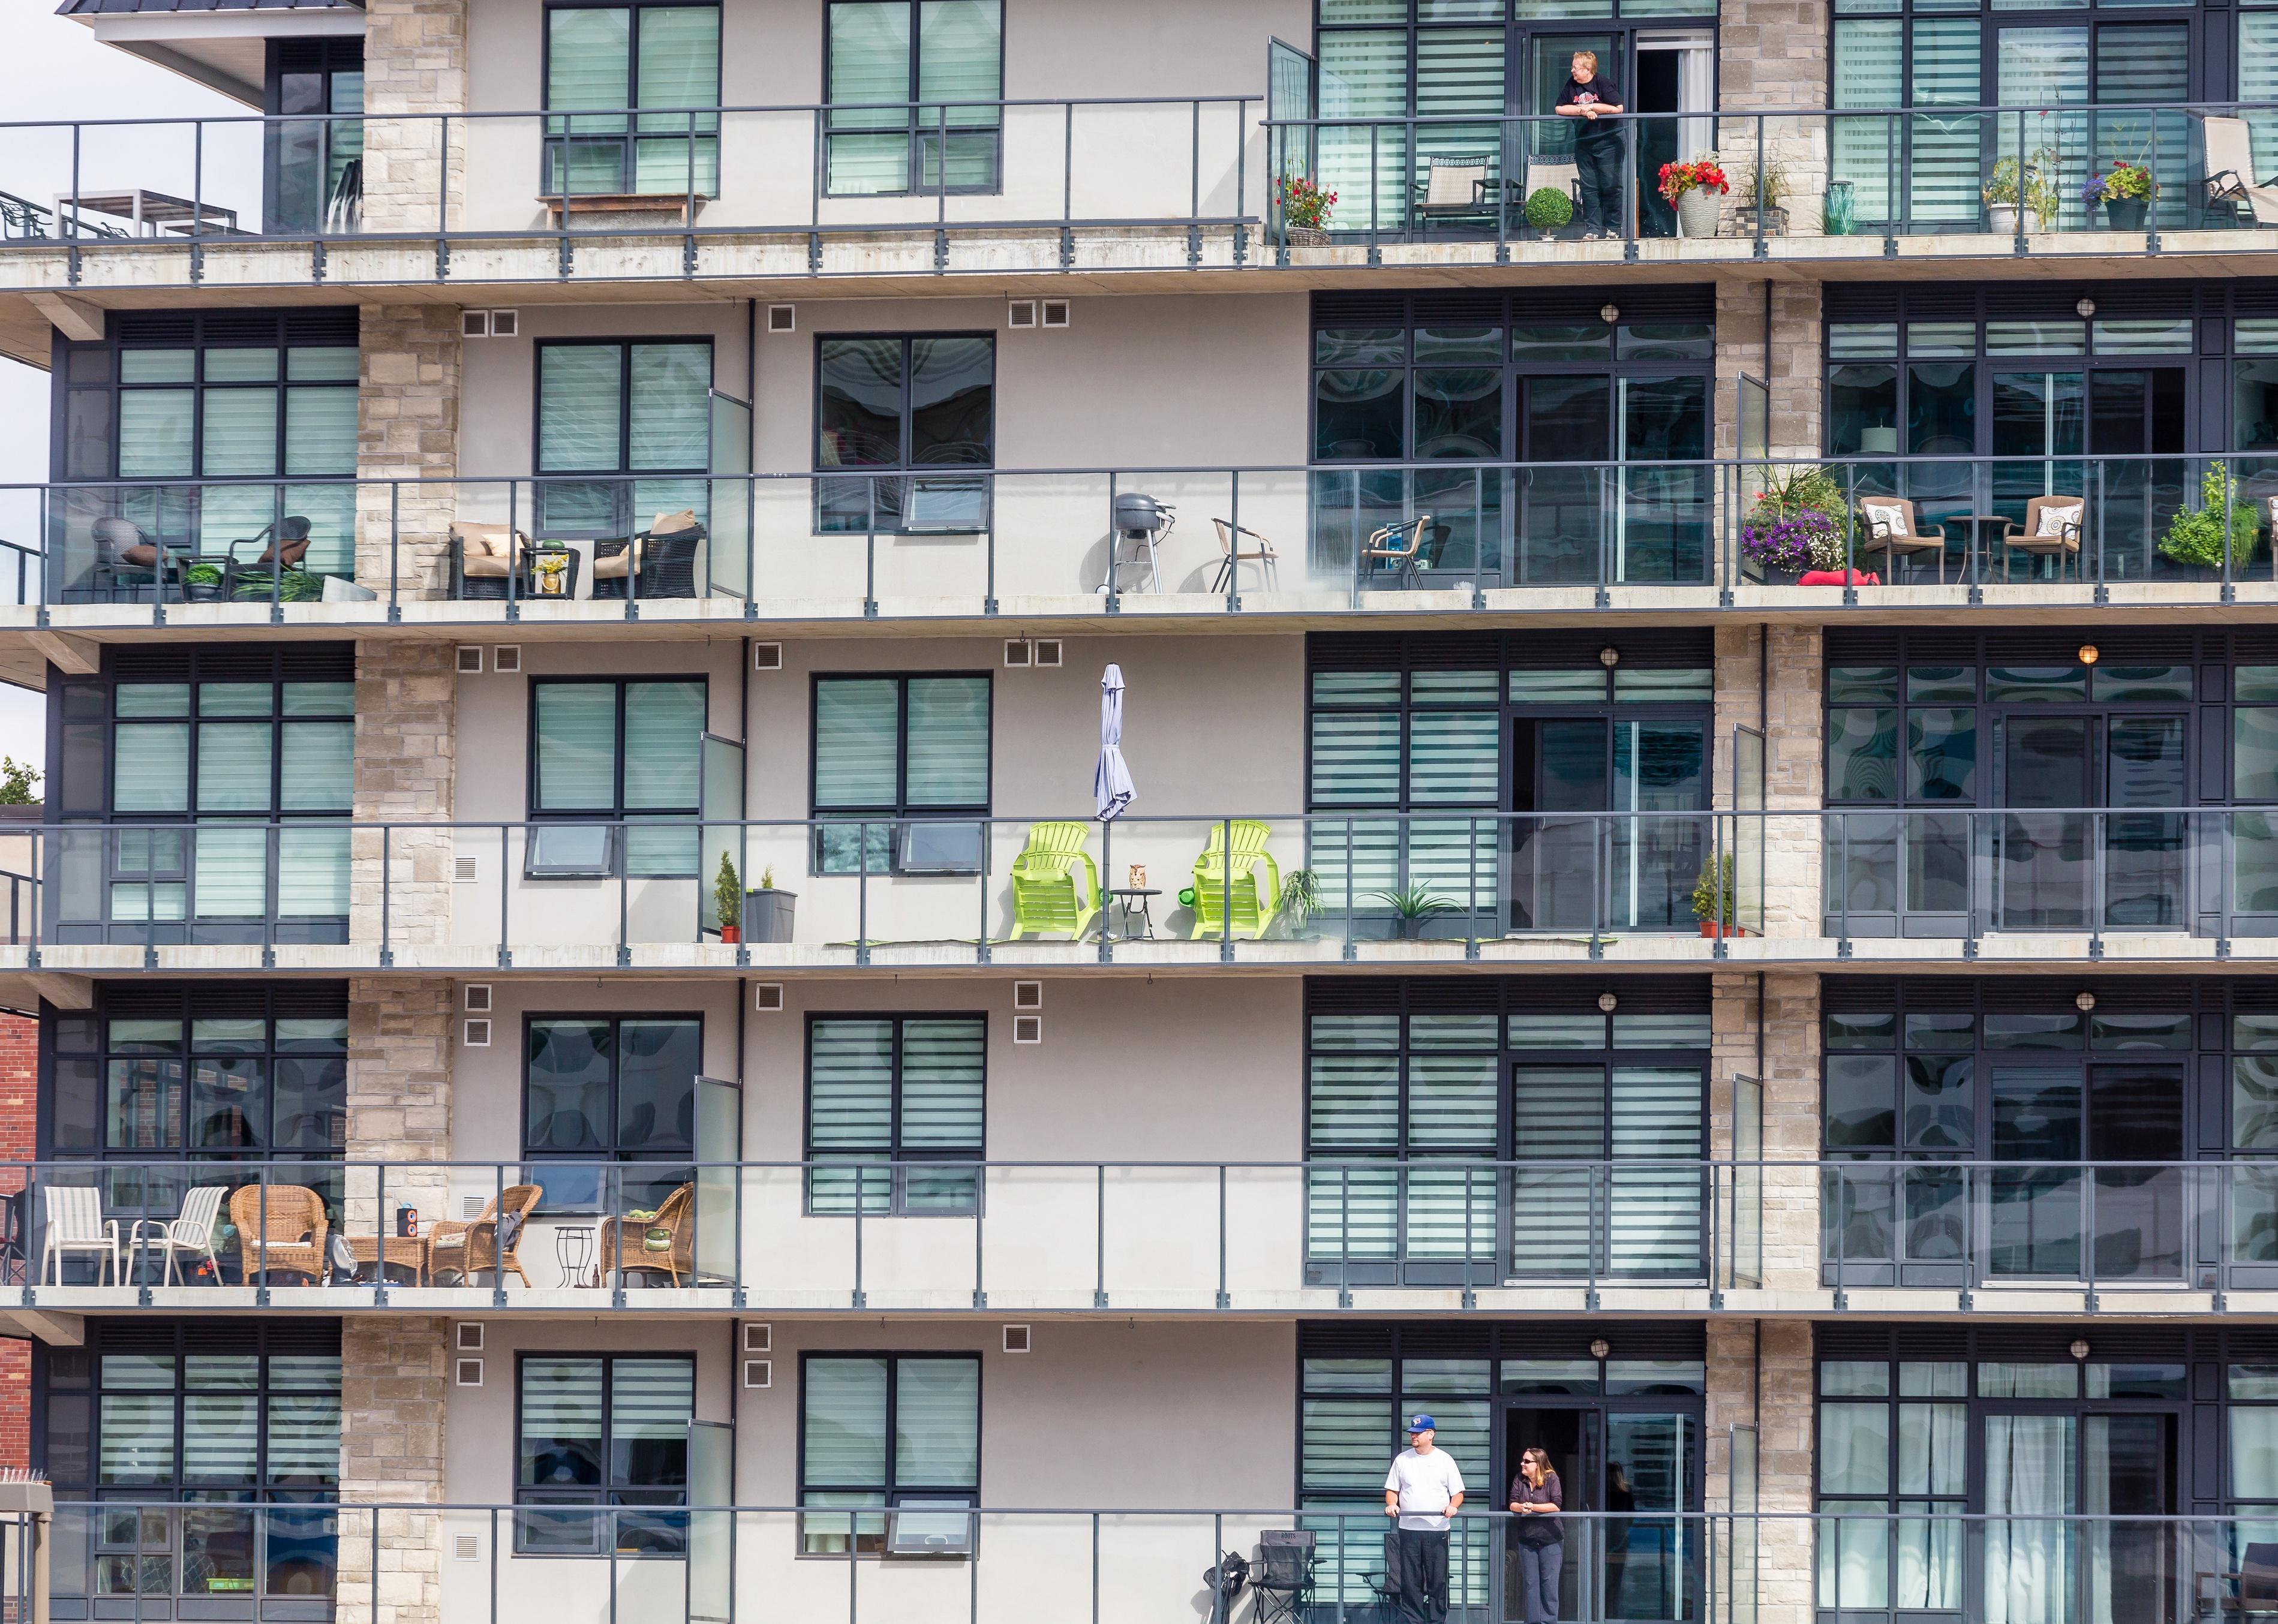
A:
(1588, 97)
(1536, 1498)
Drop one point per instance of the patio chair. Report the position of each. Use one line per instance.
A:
(2229, 174)
(1386, 1585)
(190, 1234)
(2257, 1580)
(664, 1243)
(1454, 188)
(1400, 548)
(481, 557)
(76, 1224)
(2052, 529)
(1283, 1577)
(485, 1240)
(1055, 882)
(125, 558)
(1233, 555)
(664, 554)
(1254, 893)
(283, 546)
(1890, 525)
(283, 1232)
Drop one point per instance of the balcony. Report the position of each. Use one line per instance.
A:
(1187, 184)
(1088, 546)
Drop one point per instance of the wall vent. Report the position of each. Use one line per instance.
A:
(469, 1333)
(471, 659)
(478, 993)
(1017, 652)
(507, 323)
(1045, 651)
(759, 1373)
(1028, 995)
(466, 1548)
(1021, 313)
(466, 866)
(1056, 312)
(1016, 1340)
(767, 657)
(1028, 1029)
(478, 1035)
(471, 1207)
(474, 323)
(506, 657)
(768, 997)
(759, 1338)
(468, 1372)
(782, 318)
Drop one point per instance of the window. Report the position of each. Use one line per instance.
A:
(166, 400)
(625, 750)
(636, 416)
(610, 1089)
(912, 753)
(906, 1095)
(897, 1432)
(314, 167)
(603, 1432)
(1585, 1164)
(245, 1420)
(891, 403)
(602, 61)
(906, 80)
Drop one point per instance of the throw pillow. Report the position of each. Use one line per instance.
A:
(1886, 518)
(2056, 521)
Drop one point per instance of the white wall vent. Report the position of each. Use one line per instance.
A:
(1056, 312)
(466, 865)
(466, 1548)
(474, 323)
(767, 657)
(506, 657)
(782, 318)
(470, 1332)
(1016, 1340)
(478, 1035)
(478, 993)
(1021, 313)
(471, 659)
(1028, 995)
(1045, 651)
(1028, 1029)
(759, 1338)
(471, 1207)
(759, 1373)
(1017, 652)
(768, 997)
(468, 1372)
(507, 323)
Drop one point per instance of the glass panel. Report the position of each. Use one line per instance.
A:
(671, 406)
(843, 1423)
(580, 396)
(937, 1423)
(576, 747)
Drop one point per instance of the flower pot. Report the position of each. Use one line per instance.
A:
(2001, 219)
(731, 934)
(1771, 575)
(2127, 213)
(768, 915)
(1306, 236)
(1710, 929)
(1775, 221)
(1697, 211)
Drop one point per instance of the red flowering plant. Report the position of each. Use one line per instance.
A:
(1304, 204)
(1706, 172)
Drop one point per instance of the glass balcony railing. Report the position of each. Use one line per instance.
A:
(856, 544)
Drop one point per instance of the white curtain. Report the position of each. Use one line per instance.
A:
(2029, 1474)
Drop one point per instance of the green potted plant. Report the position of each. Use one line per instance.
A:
(1712, 898)
(2126, 192)
(1305, 212)
(1800, 522)
(2013, 185)
(1776, 185)
(1301, 904)
(1413, 907)
(769, 914)
(728, 901)
(2223, 520)
(202, 583)
(1550, 212)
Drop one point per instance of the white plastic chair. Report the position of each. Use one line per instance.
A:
(76, 1224)
(191, 1233)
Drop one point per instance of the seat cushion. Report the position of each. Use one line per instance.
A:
(2057, 521)
(673, 523)
(482, 541)
(1886, 518)
(617, 566)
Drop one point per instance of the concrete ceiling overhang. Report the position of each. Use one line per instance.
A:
(223, 49)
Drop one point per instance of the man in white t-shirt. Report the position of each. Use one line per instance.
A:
(1423, 1488)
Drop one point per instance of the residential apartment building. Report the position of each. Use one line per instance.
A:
(606, 1055)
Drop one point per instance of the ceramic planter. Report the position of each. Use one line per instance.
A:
(1697, 212)
(768, 915)
(2127, 213)
(2001, 219)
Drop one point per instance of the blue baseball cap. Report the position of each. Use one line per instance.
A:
(1422, 1424)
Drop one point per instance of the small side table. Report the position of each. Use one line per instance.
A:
(1135, 901)
(573, 1250)
(1984, 530)
(386, 1251)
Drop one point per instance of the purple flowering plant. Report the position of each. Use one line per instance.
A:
(1795, 542)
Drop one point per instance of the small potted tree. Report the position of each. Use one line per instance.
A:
(1413, 907)
(1305, 212)
(1550, 212)
(2197, 537)
(728, 901)
(769, 914)
(1712, 898)
(1774, 195)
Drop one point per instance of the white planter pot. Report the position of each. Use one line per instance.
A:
(1696, 213)
(2001, 219)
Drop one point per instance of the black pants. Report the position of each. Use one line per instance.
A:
(1600, 163)
(1424, 1575)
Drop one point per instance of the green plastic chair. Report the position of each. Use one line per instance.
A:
(1055, 883)
(1253, 905)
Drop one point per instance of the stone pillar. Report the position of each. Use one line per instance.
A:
(1767, 1222)
(395, 1373)
(1760, 1377)
(399, 1099)
(1790, 372)
(415, 61)
(1772, 54)
(406, 741)
(1769, 678)
(407, 428)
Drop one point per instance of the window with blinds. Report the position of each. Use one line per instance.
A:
(627, 86)
(635, 421)
(610, 1109)
(896, 1115)
(915, 88)
(631, 752)
(901, 767)
(924, 403)
(603, 1448)
(1461, 1146)
(890, 1443)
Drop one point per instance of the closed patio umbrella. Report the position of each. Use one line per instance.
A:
(1111, 783)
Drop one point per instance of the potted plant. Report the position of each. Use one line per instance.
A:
(2126, 193)
(551, 565)
(1839, 211)
(1798, 524)
(1692, 189)
(1305, 212)
(727, 902)
(1301, 904)
(1712, 898)
(2025, 183)
(202, 583)
(1772, 194)
(768, 914)
(1550, 212)
(1413, 907)
(2198, 537)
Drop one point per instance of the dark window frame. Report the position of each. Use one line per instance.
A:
(616, 860)
(622, 478)
(897, 1201)
(665, 1536)
(536, 1159)
(879, 1544)
(901, 813)
(631, 136)
(884, 490)
(919, 129)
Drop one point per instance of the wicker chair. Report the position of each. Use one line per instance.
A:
(467, 1249)
(664, 554)
(627, 1239)
(284, 1231)
(481, 556)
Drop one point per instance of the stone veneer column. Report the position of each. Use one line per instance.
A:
(1791, 374)
(407, 428)
(1787, 1070)
(394, 1374)
(1770, 677)
(405, 744)
(415, 61)
(1772, 54)
(1760, 1375)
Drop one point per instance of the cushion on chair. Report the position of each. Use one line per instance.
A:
(673, 523)
(2055, 522)
(618, 565)
(1886, 518)
(486, 550)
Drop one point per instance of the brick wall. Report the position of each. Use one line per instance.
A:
(20, 1077)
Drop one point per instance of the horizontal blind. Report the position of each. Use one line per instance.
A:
(948, 741)
(304, 1437)
(857, 736)
(580, 401)
(844, 1423)
(664, 728)
(937, 1423)
(671, 407)
(576, 747)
